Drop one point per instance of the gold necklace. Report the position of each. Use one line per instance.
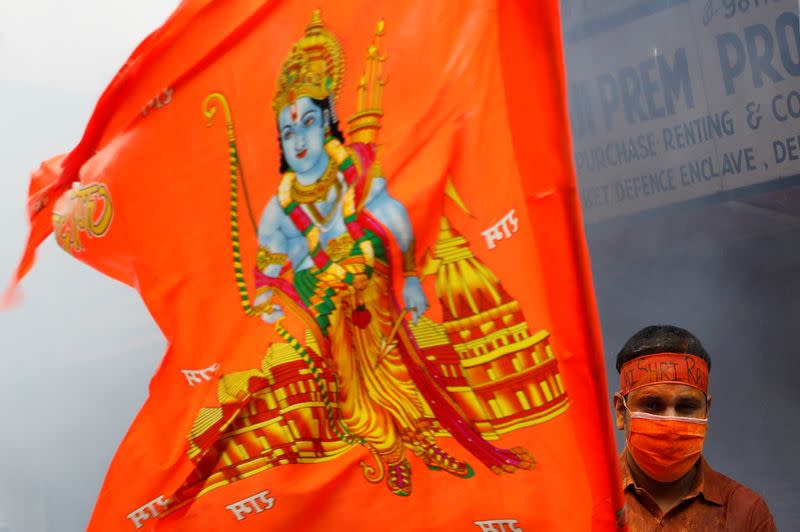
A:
(320, 220)
(318, 190)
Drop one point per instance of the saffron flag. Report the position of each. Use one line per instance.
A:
(356, 223)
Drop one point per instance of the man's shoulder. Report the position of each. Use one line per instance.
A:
(744, 505)
(727, 488)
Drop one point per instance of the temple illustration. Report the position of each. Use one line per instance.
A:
(502, 376)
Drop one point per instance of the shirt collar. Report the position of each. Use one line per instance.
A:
(707, 482)
(710, 483)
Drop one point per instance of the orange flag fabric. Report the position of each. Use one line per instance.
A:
(356, 223)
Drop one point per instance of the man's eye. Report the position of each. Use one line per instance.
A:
(652, 405)
(309, 121)
(687, 407)
(287, 135)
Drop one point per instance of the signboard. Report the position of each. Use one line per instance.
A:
(672, 100)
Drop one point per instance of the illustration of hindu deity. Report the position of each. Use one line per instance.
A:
(356, 371)
(327, 221)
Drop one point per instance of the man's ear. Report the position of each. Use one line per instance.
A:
(708, 404)
(619, 409)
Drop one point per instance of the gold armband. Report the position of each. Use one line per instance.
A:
(266, 308)
(410, 260)
(265, 257)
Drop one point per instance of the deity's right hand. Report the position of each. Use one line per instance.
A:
(414, 297)
(262, 298)
(273, 316)
(269, 312)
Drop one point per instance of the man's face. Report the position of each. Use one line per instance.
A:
(302, 129)
(663, 400)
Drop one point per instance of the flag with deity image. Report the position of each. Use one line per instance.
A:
(356, 223)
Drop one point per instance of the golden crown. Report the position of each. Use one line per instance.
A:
(314, 67)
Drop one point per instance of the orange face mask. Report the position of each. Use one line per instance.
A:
(665, 447)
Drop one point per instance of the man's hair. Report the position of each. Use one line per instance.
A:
(335, 132)
(661, 339)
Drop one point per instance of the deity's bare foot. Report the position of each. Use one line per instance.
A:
(526, 460)
(517, 458)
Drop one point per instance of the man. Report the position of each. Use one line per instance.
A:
(663, 406)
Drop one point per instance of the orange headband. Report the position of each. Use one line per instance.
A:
(669, 368)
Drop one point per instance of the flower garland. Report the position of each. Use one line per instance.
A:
(293, 209)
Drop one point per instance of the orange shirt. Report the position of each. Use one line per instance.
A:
(715, 502)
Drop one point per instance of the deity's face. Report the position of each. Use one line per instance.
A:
(302, 129)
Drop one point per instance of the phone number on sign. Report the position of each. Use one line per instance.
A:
(731, 8)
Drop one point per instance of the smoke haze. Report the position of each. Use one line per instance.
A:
(78, 353)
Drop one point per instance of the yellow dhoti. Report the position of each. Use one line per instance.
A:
(378, 400)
